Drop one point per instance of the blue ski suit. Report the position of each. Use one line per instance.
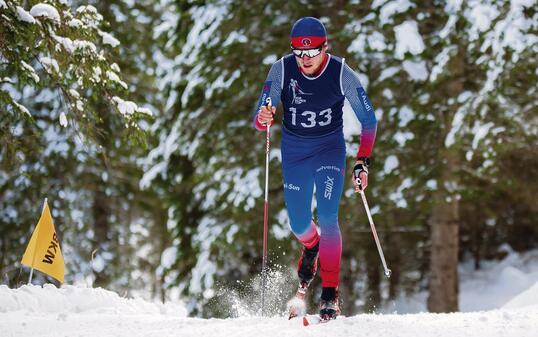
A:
(314, 150)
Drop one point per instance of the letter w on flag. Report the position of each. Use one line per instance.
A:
(43, 252)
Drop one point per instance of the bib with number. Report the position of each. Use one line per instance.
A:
(312, 105)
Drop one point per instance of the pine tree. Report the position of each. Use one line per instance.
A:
(60, 95)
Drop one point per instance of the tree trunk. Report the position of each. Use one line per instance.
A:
(444, 223)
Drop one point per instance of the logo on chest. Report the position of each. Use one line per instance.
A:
(296, 92)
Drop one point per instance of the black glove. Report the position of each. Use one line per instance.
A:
(358, 169)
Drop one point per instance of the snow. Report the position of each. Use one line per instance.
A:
(75, 23)
(457, 123)
(391, 163)
(282, 229)
(50, 64)
(480, 131)
(376, 41)
(391, 8)
(204, 271)
(482, 15)
(77, 45)
(235, 37)
(109, 39)
(68, 300)
(405, 115)
(88, 8)
(398, 197)
(3, 4)
(82, 311)
(127, 108)
(431, 184)
(408, 39)
(509, 283)
(417, 70)
(440, 61)
(74, 93)
(224, 81)
(30, 70)
(22, 108)
(527, 298)
(388, 72)
(45, 10)
(270, 59)
(24, 15)
(112, 76)
(63, 119)
(403, 136)
(169, 256)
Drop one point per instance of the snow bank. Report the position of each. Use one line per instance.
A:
(498, 284)
(77, 311)
(71, 299)
(527, 298)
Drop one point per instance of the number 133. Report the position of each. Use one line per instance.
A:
(311, 117)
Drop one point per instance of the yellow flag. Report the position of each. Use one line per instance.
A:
(43, 252)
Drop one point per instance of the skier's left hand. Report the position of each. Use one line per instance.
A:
(360, 175)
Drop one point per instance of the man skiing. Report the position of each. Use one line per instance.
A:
(312, 85)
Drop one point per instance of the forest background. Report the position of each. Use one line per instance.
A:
(134, 119)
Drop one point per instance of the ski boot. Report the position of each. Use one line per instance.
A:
(308, 265)
(328, 307)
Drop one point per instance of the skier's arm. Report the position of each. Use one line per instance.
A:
(272, 87)
(361, 105)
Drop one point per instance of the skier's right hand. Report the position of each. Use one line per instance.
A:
(265, 116)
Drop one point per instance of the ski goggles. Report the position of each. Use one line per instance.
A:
(308, 52)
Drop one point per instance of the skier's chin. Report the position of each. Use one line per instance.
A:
(308, 69)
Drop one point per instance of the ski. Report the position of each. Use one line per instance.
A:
(315, 319)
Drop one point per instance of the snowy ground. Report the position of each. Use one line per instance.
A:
(491, 287)
(509, 288)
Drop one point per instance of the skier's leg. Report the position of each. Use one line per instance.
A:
(298, 189)
(329, 180)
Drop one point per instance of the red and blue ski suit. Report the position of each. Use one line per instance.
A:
(313, 148)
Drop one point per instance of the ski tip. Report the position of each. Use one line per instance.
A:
(305, 321)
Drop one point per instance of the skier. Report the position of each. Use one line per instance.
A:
(312, 85)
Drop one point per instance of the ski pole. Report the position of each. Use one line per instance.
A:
(388, 272)
(266, 208)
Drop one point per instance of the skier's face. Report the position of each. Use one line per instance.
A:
(311, 65)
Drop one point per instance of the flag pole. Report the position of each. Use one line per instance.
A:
(35, 250)
(31, 274)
